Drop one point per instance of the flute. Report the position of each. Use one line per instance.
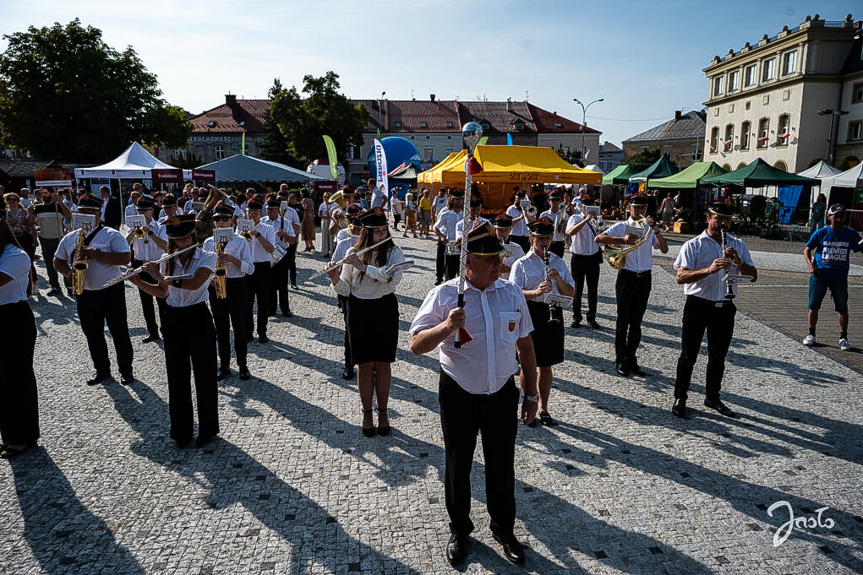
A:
(334, 265)
(135, 271)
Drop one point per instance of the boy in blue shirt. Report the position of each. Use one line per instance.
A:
(832, 246)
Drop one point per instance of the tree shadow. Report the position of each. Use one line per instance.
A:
(63, 534)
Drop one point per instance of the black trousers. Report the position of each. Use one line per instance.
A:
(227, 312)
(556, 248)
(343, 305)
(463, 415)
(190, 344)
(585, 268)
(523, 241)
(290, 260)
(452, 266)
(700, 315)
(258, 285)
(147, 301)
(279, 287)
(95, 309)
(633, 291)
(19, 400)
(49, 247)
(440, 261)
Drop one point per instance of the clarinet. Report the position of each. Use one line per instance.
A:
(551, 307)
(729, 288)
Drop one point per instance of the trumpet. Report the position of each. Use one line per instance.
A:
(138, 232)
(247, 233)
(527, 208)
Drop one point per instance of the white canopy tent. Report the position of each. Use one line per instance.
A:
(133, 164)
(820, 171)
(594, 168)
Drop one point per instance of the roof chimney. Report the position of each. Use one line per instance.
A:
(432, 97)
(677, 114)
(231, 100)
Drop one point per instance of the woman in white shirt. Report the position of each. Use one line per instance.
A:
(373, 314)
(190, 337)
(19, 405)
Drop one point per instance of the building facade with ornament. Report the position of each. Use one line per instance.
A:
(792, 99)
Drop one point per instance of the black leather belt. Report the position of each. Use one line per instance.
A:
(637, 274)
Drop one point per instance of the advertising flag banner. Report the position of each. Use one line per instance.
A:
(381, 169)
(166, 176)
(332, 157)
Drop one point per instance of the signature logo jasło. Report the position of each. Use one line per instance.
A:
(784, 531)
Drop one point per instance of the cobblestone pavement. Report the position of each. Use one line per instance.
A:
(292, 486)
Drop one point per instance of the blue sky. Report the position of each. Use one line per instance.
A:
(644, 58)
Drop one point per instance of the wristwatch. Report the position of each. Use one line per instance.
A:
(534, 398)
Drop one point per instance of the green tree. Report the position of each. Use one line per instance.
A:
(66, 95)
(275, 145)
(303, 121)
(643, 160)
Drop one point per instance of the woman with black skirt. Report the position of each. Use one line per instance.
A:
(190, 336)
(373, 314)
(19, 402)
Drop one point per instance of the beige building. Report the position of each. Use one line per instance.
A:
(788, 99)
(680, 139)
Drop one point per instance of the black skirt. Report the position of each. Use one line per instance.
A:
(547, 337)
(373, 329)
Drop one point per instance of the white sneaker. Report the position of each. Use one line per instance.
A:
(844, 345)
(809, 340)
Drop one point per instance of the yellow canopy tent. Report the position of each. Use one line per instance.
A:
(503, 165)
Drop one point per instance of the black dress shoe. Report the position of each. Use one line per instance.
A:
(223, 373)
(348, 373)
(294, 286)
(150, 337)
(263, 339)
(203, 440)
(181, 443)
(437, 283)
(456, 550)
(592, 323)
(637, 371)
(127, 378)
(720, 407)
(512, 549)
(98, 378)
(546, 419)
(245, 374)
(622, 370)
(288, 313)
(575, 324)
(679, 408)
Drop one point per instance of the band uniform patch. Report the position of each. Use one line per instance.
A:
(511, 326)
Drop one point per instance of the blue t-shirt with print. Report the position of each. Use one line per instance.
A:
(832, 249)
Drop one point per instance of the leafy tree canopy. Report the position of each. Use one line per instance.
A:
(643, 160)
(66, 95)
(304, 120)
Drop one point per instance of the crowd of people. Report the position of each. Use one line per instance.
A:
(219, 268)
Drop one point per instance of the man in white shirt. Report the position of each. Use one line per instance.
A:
(474, 217)
(477, 392)
(520, 220)
(285, 237)
(445, 229)
(258, 282)
(557, 214)
(584, 263)
(352, 234)
(150, 247)
(701, 267)
(397, 210)
(105, 250)
(633, 281)
(379, 199)
(438, 207)
(512, 251)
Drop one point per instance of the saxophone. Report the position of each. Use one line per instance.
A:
(79, 268)
(221, 274)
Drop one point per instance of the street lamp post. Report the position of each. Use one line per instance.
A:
(584, 120)
(831, 140)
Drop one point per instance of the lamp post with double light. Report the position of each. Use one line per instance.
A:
(584, 122)
(831, 140)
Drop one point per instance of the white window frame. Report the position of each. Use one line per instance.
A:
(717, 85)
(734, 81)
(768, 70)
(789, 62)
(750, 75)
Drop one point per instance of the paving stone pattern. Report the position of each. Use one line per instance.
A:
(292, 486)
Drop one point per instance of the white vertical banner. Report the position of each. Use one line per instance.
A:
(381, 165)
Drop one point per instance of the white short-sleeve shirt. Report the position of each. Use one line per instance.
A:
(184, 297)
(638, 260)
(15, 263)
(698, 253)
(98, 273)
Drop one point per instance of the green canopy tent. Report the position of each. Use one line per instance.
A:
(619, 175)
(661, 168)
(758, 174)
(690, 178)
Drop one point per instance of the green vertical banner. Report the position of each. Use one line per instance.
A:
(332, 157)
(243, 145)
(379, 134)
(483, 141)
